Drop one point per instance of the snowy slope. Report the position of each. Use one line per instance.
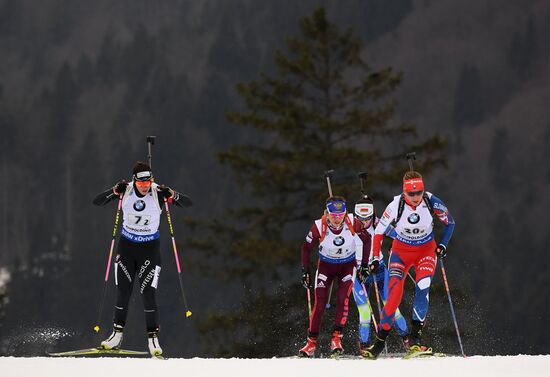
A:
(486, 366)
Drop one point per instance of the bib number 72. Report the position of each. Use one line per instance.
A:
(139, 219)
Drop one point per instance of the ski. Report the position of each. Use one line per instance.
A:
(97, 351)
(423, 354)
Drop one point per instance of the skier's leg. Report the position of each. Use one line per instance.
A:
(399, 264)
(124, 280)
(345, 276)
(148, 275)
(345, 285)
(425, 268)
(125, 271)
(399, 323)
(323, 281)
(398, 267)
(364, 311)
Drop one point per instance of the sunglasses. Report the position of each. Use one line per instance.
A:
(337, 215)
(365, 221)
(143, 183)
(415, 193)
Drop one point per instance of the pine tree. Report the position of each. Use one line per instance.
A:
(324, 107)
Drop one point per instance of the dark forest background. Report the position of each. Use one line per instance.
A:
(82, 83)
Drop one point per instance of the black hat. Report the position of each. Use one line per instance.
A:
(142, 171)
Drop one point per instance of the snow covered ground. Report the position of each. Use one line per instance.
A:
(486, 366)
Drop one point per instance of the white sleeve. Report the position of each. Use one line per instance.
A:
(387, 217)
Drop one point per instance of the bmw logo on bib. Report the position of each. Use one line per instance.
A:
(414, 218)
(339, 241)
(139, 205)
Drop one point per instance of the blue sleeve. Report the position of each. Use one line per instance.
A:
(443, 214)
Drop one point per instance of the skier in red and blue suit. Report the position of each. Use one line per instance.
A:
(408, 219)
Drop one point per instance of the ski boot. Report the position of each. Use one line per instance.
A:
(154, 345)
(376, 348)
(406, 343)
(336, 343)
(363, 347)
(114, 341)
(416, 348)
(309, 349)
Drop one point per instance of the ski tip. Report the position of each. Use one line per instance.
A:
(188, 314)
(96, 328)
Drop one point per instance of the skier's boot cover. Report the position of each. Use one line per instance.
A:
(114, 341)
(336, 343)
(374, 350)
(309, 349)
(154, 345)
(363, 348)
(415, 340)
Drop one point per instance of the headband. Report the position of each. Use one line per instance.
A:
(413, 184)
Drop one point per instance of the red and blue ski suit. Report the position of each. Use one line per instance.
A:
(413, 246)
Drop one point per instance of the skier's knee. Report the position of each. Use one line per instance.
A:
(424, 283)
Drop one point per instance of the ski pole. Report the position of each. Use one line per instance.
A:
(412, 279)
(379, 306)
(451, 306)
(96, 327)
(187, 311)
(309, 302)
(327, 306)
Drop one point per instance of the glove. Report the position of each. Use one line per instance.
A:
(166, 192)
(306, 281)
(120, 187)
(363, 272)
(441, 251)
(373, 266)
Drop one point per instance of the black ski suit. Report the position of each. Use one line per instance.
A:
(141, 259)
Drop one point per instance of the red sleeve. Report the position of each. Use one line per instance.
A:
(312, 239)
(377, 245)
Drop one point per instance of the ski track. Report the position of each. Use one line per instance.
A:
(486, 366)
